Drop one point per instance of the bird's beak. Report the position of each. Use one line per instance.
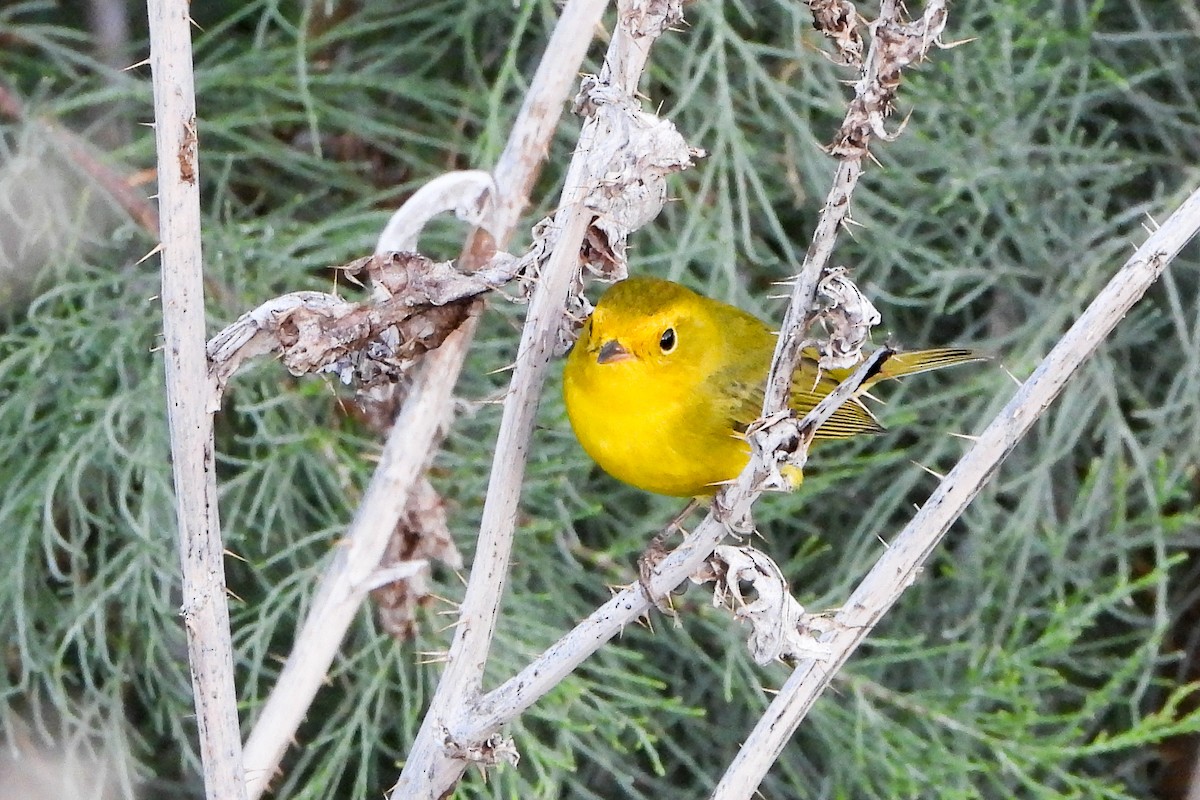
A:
(612, 352)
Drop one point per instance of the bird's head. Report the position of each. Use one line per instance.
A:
(644, 321)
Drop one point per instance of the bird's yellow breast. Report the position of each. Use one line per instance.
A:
(651, 428)
(649, 387)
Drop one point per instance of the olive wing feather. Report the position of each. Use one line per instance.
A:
(742, 400)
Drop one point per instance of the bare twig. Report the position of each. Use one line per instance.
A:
(874, 93)
(513, 176)
(468, 193)
(902, 561)
(205, 613)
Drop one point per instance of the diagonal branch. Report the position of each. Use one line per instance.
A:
(893, 46)
(901, 563)
(605, 173)
(521, 691)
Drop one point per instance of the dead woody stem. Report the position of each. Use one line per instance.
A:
(205, 610)
(902, 561)
(601, 177)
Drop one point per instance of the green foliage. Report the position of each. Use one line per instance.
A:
(1041, 655)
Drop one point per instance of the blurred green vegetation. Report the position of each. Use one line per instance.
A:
(1047, 651)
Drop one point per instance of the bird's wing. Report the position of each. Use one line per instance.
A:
(850, 419)
(742, 396)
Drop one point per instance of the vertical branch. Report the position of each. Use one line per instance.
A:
(412, 438)
(205, 612)
(902, 561)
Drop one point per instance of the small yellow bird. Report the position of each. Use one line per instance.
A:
(663, 383)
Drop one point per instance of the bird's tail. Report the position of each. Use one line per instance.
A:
(854, 417)
(917, 361)
(900, 364)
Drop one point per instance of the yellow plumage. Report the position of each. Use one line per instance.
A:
(663, 382)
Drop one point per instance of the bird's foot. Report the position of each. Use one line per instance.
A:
(648, 563)
(658, 550)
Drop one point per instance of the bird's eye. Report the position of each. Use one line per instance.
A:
(667, 342)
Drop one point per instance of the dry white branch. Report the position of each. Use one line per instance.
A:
(468, 193)
(902, 561)
(598, 173)
(514, 175)
(496, 749)
(205, 612)
(893, 46)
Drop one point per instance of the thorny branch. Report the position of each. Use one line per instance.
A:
(205, 610)
(621, 186)
(688, 560)
(893, 45)
(902, 561)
